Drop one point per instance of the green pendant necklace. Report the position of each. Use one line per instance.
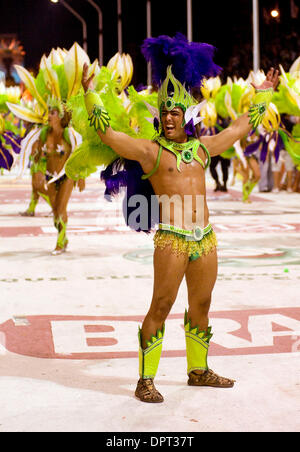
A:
(185, 151)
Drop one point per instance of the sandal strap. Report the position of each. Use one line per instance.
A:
(210, 378)
(147, 392)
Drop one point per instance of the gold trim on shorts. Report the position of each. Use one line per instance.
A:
(180, 245)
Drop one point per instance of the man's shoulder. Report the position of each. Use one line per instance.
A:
(151, 145)
(148, 150)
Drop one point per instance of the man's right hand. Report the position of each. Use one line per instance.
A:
(86, 82)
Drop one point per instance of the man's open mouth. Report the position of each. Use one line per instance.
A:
(170, 128)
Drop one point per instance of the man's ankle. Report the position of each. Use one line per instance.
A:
(199, 371)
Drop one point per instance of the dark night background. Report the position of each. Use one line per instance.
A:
(41, 25)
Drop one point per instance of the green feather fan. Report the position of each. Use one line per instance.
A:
(283, 103)
(292, 146)
(139, 112)
(93, 153)
(220, 102)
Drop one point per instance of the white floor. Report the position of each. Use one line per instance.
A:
(68, 324)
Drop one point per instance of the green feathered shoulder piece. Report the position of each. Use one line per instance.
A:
(139, 112)
(234, 98)
(93, 153)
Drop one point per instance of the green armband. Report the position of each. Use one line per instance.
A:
(260, 105)
(98, 116)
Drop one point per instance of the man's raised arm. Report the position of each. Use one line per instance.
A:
(124, 145)
(219, 143)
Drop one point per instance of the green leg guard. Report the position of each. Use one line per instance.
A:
(46, 198)
(149, 358)
(247, 189)
(32, 205)
(251, 187)
(61, 226)
(197, 343)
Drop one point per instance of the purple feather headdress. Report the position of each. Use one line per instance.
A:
(191, 61)
(178, 66)
(13, 140)
(8, 141)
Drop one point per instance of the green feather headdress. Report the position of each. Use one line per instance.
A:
(173, 94)
(287, 97)
(56, 104)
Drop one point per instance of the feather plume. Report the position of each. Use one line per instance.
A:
(253, 147)
(190, 61)
(13, 140)
(6, 158)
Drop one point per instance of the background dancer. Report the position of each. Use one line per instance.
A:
(51, 153)
(52, 140)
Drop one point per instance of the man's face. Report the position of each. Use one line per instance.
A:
(171, 123)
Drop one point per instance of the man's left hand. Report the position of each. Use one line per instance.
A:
(271, 81)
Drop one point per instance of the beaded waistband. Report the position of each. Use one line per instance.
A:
(196, 233)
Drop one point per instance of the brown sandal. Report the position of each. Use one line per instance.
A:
(146, 391)
(209, 378)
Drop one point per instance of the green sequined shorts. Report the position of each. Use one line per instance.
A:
(180, 245)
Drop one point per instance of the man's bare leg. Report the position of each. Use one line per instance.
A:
(169, 270)
(201, 276)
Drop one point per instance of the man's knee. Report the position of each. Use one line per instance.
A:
(161, 307)
(200, 304)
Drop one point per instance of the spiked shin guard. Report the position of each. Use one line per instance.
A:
(149, 357)
(197, 343)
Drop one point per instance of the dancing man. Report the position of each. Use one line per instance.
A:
(175, 163)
